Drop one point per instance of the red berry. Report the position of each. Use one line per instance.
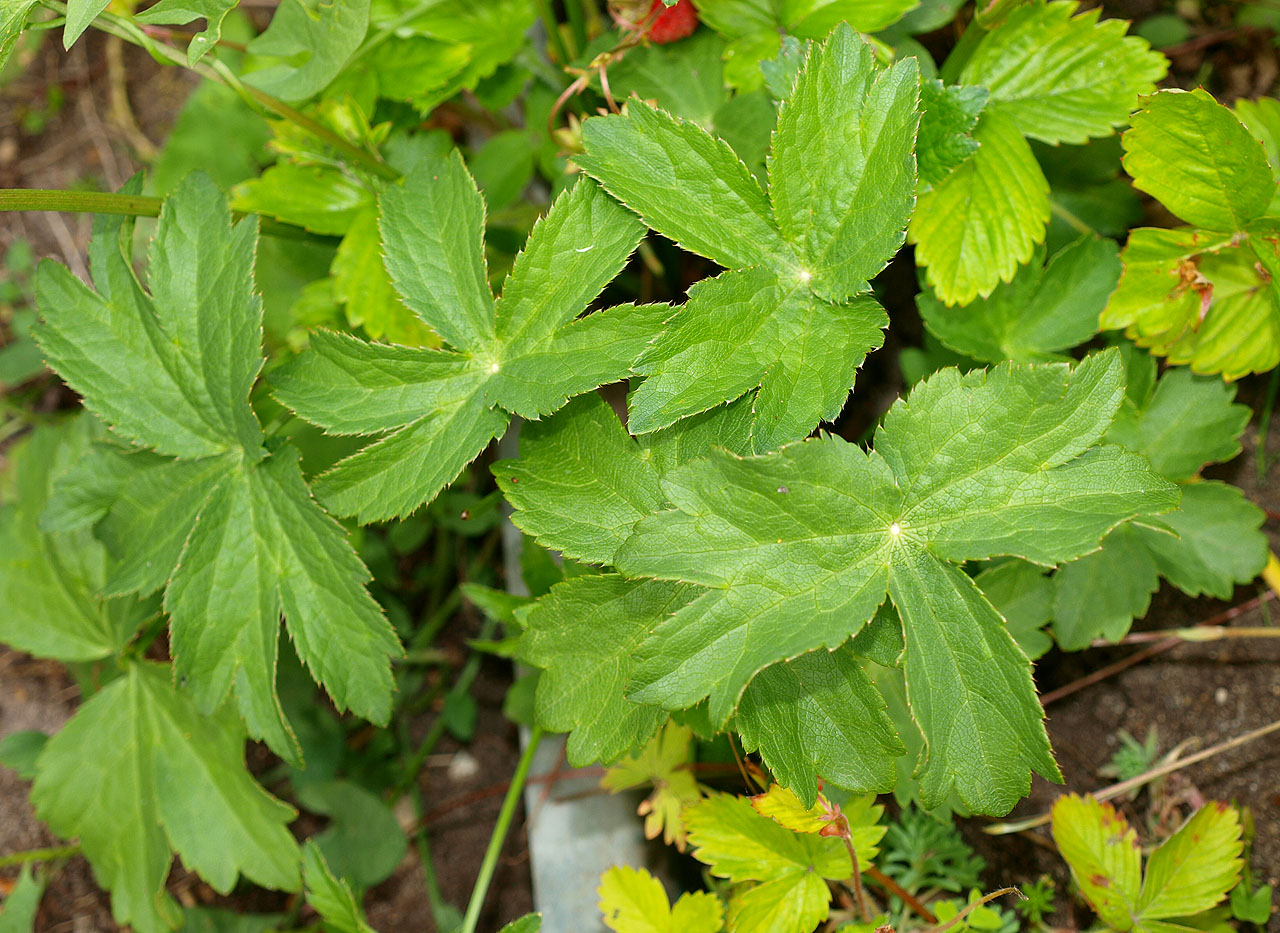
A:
(672, 23)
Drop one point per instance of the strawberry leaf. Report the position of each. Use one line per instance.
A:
(633, 901)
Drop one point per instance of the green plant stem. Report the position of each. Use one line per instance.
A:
(51, 854)
(1197, 633)
(124, 28)
(985, 899)
(1069, 218)
(490, 863)
(552, 27)
(129, 205)
(901, 893)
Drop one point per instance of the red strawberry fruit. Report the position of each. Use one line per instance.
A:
(672, 23)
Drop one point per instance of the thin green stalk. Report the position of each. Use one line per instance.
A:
(552, 28)
(129, 205)
(126, 29)
(51, 854)
(490, 863)
(1264, 424)
(1069, 218)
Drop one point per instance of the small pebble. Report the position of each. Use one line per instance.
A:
(1220, 696)
(463, 767)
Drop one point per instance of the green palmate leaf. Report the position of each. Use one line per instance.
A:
(798, 548)
(49, 583)
(316, 37)
(741, 845)
(331, 897)
(1043, 311)
(140, 772)
(820, 715)
(181, 12)
(1064, 78)
(976, 227)
(948, 115)
(233, 532)
(1196, 157)
(523, 354)
(1103, 852)
(789, 320)
(1100, 594)
(1194, 868)
(633, 901)
(583, 635)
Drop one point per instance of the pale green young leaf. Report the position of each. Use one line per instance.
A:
(80, 14)
(982, 221)
(797, 548)
(181, 12)
(1103, 853)
(526, 354)
(1189, 422)
(1219, 541)
(361, 282)
(583, 634)
(685, 184)
(314, 38)
(1023, 595)
(782, 806)
(1043, 311)
(948, 115)
(633, 901)
(171, 370)
(663, 763)
(139, 773)
(1064, 78)
(320, 198)
(22, 903)
(50, 581)
(741, 845)
(1194, 868)
(1100, 594)
(581, 482)
(1194, 156)
(820, 715)
(842, 174)
(331, 897)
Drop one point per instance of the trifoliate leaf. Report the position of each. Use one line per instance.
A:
(1100, 594)
(982, 221)
(50, 583)
(523, 354)
(331, 896)
(583, 635)
(1043, 311)
(1194, 868)
(1189, 422)
(741, 845)
(1219, 545)
(948, 114)
(1194, 156)
(314, 39)
(232, 532)
(798, 548)
(1063, 78)
(1020, 592)
(633, 901)
(662, 763)
(1199, 298)
(1103, 853)
(139, 773)
(781, 321)
(820, 715)
(181, 12)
